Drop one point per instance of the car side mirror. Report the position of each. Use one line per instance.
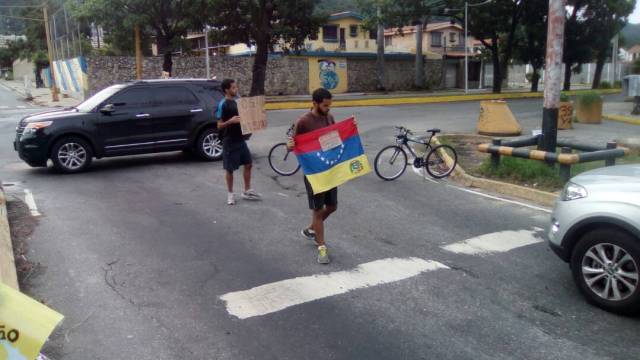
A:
(108, 109)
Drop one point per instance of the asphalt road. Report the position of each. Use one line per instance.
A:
(137, 252)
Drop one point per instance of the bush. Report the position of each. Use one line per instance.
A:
(588, 98)
(617, 84)
(604, 85)
(564, 97)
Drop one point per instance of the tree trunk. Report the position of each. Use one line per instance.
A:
(419, 81)
(380, 56)
(259, 71)
(165, 50)
(597, 75)
(497, 71)
(567, 77)
(535, 79)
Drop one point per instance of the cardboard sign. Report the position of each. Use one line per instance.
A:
(253, 117)
(25, 325)
(330, 140)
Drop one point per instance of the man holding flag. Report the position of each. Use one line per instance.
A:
(330, 154)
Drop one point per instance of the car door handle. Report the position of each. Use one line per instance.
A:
(143, 115)
(196, 110)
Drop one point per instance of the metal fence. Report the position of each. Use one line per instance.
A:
(66, 35)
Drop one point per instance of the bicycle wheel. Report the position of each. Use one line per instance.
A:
(441, 161)
(391, 162)
(283, 161)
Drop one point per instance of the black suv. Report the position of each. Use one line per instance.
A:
(134, 118)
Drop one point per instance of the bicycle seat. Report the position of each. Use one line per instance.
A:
(434, 131)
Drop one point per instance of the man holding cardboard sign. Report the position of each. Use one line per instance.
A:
(235, 151)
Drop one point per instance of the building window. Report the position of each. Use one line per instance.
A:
(330, 33)
(452, 37)
(388, 40)
(353, 30)
(373, 35)
(436, 39)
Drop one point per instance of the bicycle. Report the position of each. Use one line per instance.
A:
(282, 160)
(394, 157)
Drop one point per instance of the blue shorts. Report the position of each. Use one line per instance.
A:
(235, 154)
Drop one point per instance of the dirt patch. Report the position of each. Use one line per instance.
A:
(22, 225)
(466, 146)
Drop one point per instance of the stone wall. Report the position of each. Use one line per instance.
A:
(285, 75)
(399, 74)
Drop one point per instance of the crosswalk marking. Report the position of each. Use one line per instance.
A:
(496, 242)
(4, 107)
(269, 298)
(21, 107)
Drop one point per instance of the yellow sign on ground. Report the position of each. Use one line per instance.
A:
(25, 325)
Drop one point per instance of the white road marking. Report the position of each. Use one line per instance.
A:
(269, 298)
(31, 202)
(283, 195)
(497, 242)
(6, 87)
(4, 107)
(21, 106)
(503, 200)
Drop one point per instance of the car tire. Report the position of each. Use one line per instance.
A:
(71, 155)
(599, 261)
(209, 145)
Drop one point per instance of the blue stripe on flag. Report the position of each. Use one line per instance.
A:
(319, 161)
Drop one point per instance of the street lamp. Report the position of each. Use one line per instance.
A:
(466, 45)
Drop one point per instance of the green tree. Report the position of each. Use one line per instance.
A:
(495, 25)
(531, 48)
(286, 23)
(167, 21)
(606, 18)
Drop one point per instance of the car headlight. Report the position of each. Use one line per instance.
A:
(573, 191)
(35, 126)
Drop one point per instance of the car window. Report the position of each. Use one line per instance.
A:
(174, 95)
(98, 98)
(133, 98)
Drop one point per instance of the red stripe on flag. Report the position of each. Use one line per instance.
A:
(309, 141)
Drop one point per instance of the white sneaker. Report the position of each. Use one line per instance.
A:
(231, 200)
(251, 195)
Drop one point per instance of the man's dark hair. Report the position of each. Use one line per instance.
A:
(319, 95)
(226, 84)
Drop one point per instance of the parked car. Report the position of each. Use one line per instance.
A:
(595, 227)
(139, 117)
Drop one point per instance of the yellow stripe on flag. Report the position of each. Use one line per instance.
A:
(339, 174)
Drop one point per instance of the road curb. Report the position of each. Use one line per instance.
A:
(290, 105)
(8, 274)
(537, 196)
(621, 118)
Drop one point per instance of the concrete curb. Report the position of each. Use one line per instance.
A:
(537, 196)
(430, 99)
(621, 118)
(8, 274)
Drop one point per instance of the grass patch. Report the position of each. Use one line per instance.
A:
(538, 174)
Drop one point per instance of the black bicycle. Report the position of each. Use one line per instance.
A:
(392, 161)
(282, 160)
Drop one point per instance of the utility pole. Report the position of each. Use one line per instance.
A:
(466, 47)
(54, 86)
(553, 75)
(138, 52)
(206, 49)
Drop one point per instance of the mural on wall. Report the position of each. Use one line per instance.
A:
(329, 78)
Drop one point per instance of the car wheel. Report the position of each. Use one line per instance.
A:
(209, 146)
(606, 268)
(71, 155)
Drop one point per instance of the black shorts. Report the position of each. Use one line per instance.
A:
(235, 154)
(318, 201)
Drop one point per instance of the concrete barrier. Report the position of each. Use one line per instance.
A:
(8, 273)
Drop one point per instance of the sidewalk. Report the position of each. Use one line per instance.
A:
(621, 112)
(39, 96)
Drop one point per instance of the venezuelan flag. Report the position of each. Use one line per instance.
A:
(331, 156)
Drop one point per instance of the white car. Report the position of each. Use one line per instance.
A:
(595, 227)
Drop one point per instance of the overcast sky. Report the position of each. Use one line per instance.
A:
(635, 16)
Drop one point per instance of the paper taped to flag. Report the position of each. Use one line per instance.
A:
(25, 325)
(331, 156)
